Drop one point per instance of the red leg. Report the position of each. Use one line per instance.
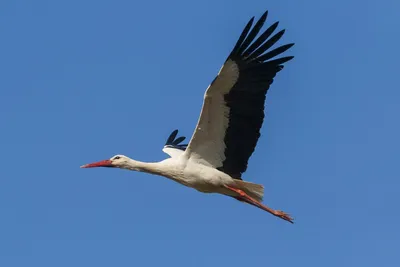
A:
(252, 201)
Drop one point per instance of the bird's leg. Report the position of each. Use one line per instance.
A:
(246, 198)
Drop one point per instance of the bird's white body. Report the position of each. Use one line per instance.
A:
(229, 125)
(200, 177)
(184, 171)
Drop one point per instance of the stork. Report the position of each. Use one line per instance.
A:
(229, 125)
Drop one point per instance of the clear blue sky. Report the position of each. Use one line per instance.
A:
(84, 80)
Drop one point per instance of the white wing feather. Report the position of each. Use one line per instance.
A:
(207, 143)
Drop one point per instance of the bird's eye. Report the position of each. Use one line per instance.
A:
(117, 157)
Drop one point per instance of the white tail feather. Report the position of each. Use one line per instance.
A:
(255, 191)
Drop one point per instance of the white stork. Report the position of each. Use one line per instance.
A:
(229, 125)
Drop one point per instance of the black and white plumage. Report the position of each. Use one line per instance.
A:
(173, 146)
(229, 125)
(233, 107)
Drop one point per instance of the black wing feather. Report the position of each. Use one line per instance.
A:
(174, 143)
(275, 52)
(178, 140)
(268, 44)
(261, 39)
(256, 29)
(171, 137)
(242, 36)
(246, 99)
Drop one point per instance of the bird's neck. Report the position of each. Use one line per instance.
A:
(148, 167)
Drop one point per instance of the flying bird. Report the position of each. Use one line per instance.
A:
(228, 128)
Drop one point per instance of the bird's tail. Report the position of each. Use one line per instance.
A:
(256, 191)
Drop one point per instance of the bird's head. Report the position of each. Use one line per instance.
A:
(118, 161)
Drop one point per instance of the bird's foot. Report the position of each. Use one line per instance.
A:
(246, 198)
(283, 215)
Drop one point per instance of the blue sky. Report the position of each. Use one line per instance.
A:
(84, 80)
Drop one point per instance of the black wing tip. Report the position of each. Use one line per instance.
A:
(171, 137)
(282, 60)
(179, 140)
(242, 37)
(275, 24)
(244, 50)
(263, 17)
(265, 13)
(172, 141)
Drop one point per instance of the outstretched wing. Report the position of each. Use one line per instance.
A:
(173, 147)
(233, 109)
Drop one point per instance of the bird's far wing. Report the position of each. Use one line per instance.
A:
(233, 109)
(173, 147)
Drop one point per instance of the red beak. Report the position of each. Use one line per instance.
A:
(103, 163)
